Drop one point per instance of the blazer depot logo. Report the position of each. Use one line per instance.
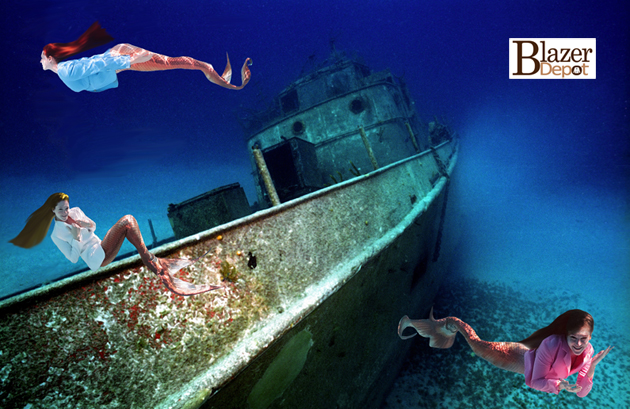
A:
(552, 58)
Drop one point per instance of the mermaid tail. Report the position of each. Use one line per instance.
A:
(166, 267)
(127, 228)
(159, 62)
(441, 333)
(175, 264)
(437, 332)
(184, 288)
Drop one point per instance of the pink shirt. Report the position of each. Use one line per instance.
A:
(551, 361)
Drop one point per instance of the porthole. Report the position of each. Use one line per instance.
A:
(298, 128)
(357, 106)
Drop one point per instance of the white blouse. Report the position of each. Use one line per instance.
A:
(89, 248)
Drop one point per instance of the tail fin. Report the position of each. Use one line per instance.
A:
(227, 73)
(185, 288)
(436, 331)
(175, 264)
(181, 287)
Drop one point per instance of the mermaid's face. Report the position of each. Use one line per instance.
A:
(61, 211)
(579, 339)
(48, 63)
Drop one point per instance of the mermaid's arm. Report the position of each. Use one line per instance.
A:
(585, 377)
(70, 250)
(89, 223)
(545, 356)
(586, 383)
(75, 70)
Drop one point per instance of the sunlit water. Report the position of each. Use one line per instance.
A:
(531, 248)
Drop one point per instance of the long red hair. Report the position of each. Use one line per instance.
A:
(566, 323)
(93, 37)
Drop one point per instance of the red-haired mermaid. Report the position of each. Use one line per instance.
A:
(74, 236)
(98, 73)
(546, 358)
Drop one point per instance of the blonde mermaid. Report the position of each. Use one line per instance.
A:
(73, 233)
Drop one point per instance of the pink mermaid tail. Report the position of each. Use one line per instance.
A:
(442, 332)
(439, 335)
(127, 228)
(159, 62)
(166, 267)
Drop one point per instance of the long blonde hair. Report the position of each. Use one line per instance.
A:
(38, 223)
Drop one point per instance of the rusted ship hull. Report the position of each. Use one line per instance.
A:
(312, 287)
(337, 266)
(351, 352)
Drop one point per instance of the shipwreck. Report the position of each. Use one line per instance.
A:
(347, 235)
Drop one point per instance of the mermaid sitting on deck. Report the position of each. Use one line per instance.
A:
(98, 73)
(546, 358)
(74, 236)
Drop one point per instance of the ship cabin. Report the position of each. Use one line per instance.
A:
(338, 122)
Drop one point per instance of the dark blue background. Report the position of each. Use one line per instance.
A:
(163, 137)
(453, 55)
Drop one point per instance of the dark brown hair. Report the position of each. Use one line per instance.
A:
(93, 37)
(566, 323)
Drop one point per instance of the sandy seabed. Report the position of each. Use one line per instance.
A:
(456, 378)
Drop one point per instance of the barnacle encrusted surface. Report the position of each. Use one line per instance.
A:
(111, 343)
(122, 340)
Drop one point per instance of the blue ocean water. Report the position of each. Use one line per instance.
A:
(541, 191)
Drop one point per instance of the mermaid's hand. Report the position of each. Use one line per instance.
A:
(76, 232)
(84, 224)
(597, 358)
(568, 387)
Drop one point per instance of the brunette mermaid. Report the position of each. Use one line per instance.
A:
(98, 73)
(442, 332)
(546, 358)
(73, 234)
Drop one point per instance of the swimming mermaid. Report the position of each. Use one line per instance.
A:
(546, 358)
(99, 72)
(73, 233)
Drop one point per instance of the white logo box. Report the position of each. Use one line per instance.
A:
(552, 58)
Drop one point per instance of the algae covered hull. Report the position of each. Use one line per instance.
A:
(312, 288)
(340, 264)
